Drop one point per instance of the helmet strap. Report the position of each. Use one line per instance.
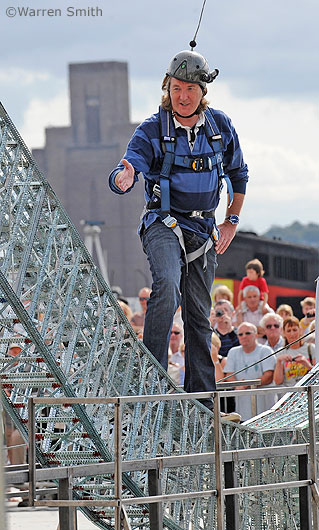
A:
(189, 116)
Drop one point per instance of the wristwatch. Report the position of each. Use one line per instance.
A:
(233, 219)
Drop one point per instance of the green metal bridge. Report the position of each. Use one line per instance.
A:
(76, 342)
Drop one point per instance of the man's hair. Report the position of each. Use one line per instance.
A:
(256, 265)
(308, 300)
(251, 288)
(166, 103)
(177, 325)
(227, 302)
(249, 324)
(268, 316)
(145, 289)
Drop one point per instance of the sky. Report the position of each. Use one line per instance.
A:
(267, 54)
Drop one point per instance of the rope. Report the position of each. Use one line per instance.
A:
(193, 42)
(267, 357)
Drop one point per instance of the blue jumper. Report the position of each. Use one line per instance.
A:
(189, 190)
(174, 283)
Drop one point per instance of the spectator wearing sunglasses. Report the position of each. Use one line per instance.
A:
(176, 360)
(271, 323)
(241, 358)
(138, 319)
(272, 327)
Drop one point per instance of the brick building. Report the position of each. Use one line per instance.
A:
(78, 159)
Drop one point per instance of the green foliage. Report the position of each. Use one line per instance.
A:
(296, 233)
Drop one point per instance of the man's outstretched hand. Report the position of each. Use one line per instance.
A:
(125, 178)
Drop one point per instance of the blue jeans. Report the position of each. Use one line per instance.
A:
(172, 287)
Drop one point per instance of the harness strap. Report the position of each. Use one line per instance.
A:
(165, 200)
(197, 164)
(216, 142)
(168, 147)
(199, 252)
(171, 223)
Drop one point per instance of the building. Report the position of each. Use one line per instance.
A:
(77, 160)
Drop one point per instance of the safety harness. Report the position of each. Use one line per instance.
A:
(168, 144)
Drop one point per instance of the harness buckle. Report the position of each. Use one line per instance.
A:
(197, 213)
(157, 190)
(220, 164)
(170, 221)
(198, 164)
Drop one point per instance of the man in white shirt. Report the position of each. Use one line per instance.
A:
(240, 358)
(271, 323)
(176, 360)
(253, 309)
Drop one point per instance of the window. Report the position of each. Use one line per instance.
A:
(290, 268)
(93, 131)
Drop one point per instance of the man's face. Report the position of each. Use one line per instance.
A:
(308, 308)
(144, 296)
(247, 336)
(185, 97)
(176, 337)
(252, 300)
(272, 329)
(224, 308)
(226, 313)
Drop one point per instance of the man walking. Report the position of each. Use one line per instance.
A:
(184, 153)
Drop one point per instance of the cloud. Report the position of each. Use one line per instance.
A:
(145, 97)
(269, 50)
(278, 138)
(42, 113)
(22, 76)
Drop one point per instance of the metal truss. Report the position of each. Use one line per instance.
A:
(76, 342)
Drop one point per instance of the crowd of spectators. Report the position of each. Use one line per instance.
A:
(261, 331)
(252, 332)
(249, 342)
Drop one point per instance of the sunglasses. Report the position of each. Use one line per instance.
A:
(246, 333)
(144, 298)
(269, 326)
(175, 332)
